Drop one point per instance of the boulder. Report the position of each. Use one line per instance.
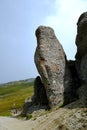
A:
(50, 62)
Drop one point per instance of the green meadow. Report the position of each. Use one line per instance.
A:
(12, 96)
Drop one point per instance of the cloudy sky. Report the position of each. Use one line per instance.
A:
(18, 22)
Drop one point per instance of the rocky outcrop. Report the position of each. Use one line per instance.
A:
(61, 80)
(50, 63)
(59, 76)
(81, 38)
(81, 42)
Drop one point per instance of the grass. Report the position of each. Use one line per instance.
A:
(13, 96)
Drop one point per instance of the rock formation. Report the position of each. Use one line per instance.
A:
(81, 57)
(59, 76)
(61, 81)
(50, 63)
(81, 42)
(81, 37)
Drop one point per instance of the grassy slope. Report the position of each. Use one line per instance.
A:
(13, 96)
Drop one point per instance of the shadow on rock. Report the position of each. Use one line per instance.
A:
(39, 99)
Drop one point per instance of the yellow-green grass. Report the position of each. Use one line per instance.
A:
(13, 96)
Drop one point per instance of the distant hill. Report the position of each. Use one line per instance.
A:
(14, 93)
(17, 82)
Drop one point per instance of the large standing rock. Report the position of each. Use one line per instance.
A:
(81, 42)
(50, 63)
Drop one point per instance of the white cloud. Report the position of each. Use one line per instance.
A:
(64, 22)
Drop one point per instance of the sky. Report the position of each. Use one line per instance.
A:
(18, 21)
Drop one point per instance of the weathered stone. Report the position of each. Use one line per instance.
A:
(83, 69)
(50, 63)
(40, 96)
(82, 91)
(81, 42)
(71, 83)
(81, 38)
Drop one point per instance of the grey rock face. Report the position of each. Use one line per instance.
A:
(81, 42)
(83, 69)
(81, 38)
(50, 62)
(40, 96)
(71, 83)
(82, 91)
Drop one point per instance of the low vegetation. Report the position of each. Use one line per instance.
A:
(12, 96)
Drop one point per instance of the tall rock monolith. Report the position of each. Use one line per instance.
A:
(50, 62)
